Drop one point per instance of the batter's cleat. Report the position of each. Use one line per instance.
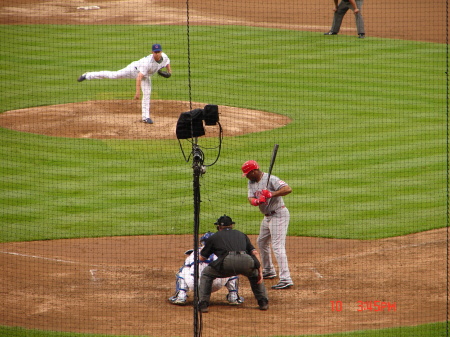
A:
(82, 78)
(147, 120)
(283, 285)
(203, 307)
(330, 33)
(263, 304)
(234, 299)
(177, 300)
(361, 36)
(269, 275)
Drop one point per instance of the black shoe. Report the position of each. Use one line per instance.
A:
(81, 78)
(361, 36)
(263, 304)
(330, 33)
(203, 306)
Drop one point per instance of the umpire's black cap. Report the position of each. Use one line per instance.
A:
(224, 220)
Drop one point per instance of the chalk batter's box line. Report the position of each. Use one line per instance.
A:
(93, 268)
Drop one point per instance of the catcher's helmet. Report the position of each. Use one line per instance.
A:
(249, 166)
(205, 237)
(224, 220)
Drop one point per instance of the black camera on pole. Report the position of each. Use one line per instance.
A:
(190, 123)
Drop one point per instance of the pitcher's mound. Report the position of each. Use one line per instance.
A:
(121, 119)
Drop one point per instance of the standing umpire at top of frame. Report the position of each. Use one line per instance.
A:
(339, 13)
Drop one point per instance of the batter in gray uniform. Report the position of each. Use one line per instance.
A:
(275, 224)
(339, 13)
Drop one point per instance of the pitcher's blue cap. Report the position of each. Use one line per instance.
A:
(156, 47)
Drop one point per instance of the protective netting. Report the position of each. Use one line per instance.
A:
(97, 207)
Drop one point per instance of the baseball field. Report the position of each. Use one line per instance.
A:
(97, 207)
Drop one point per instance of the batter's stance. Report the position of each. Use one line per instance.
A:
(142, 71)
(267, 193)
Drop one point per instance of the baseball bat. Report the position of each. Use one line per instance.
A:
(272, 162)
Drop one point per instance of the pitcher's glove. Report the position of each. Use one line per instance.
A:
(164, 74)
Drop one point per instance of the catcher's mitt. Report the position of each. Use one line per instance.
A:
(164, 73)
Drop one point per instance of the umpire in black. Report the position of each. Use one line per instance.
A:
(236, 256)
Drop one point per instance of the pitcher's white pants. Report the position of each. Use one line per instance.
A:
(129, 71)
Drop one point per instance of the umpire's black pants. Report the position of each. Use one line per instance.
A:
(233, 264)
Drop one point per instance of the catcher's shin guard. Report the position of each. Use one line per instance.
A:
(181, 289)
(233, 287)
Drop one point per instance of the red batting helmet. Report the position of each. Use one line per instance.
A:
(249, 166)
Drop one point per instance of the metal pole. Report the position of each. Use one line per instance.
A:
(197, 171)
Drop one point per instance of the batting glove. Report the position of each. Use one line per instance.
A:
(255, 202)
(262, 199)
(266, 193)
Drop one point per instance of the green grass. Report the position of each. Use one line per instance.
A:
(425, 330)
(365, 152)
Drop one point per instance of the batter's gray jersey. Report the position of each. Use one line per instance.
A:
(275, 183)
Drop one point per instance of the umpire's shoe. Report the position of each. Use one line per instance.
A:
(330, 33)
(263, 304)
(283, 285)
(82, 78)
(203, 306)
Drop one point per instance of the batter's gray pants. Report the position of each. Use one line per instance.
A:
(342, 9)
(273, 232)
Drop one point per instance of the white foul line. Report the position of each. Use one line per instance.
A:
(39, 257)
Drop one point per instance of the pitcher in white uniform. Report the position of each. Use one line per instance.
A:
(141, 70)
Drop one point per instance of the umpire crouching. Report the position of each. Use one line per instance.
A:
(236, 256)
